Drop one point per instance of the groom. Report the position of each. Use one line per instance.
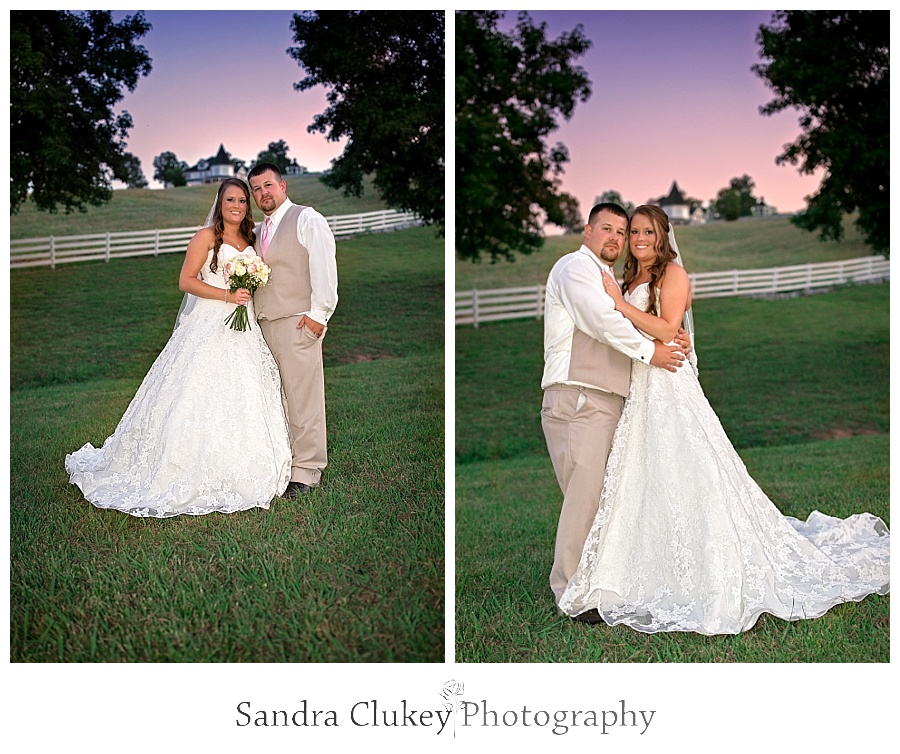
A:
(588, 348)
(293, 312)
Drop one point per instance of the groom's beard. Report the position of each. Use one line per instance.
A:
(610, 254)
(267, 204)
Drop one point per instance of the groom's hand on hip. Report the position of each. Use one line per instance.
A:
(314, 327)
(666, 357)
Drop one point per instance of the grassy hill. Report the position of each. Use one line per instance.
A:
(823, 376)
(355, 572)
(766, 242)
(801, 386)
(143, 209)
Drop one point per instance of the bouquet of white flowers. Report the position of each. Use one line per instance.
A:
(244, 270)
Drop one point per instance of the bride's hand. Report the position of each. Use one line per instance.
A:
(612, 289)
(240, 297)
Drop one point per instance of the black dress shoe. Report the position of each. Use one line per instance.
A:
(294, 490)
(589, 616)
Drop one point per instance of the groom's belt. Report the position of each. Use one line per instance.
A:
(578, 388)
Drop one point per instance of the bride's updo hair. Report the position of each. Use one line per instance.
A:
(246, 227)
(664, 253)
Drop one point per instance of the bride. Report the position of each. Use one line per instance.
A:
(206, 430)
(684, 539)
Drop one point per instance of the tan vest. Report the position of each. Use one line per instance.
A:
(598, 364)
(289, 289)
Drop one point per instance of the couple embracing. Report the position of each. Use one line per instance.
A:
(662, 528)
(226, 420)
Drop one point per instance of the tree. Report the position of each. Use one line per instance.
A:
(833, 66)
(728, 204)
(510, 91)
(276, 153)
(67, 71)
(169, 170)
(737, 199)
(614, 197)
(135, 176)
(744, 186)
(386, 77)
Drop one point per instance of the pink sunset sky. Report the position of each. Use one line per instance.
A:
(673, 99)
(223, 77)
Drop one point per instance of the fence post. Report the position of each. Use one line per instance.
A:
(106, 255)
(537, 303)
(156, 243)
(475, 308)
(52, 253)
(735, 285)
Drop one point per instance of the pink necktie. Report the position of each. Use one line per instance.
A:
(264, 241)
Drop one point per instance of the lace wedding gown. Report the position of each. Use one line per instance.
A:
(206, 429)
(685, 540)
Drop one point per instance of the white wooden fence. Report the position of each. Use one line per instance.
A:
(54, 250)
(477, 306)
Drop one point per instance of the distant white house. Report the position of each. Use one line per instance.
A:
(700, 215)
(680, 210)
(761, 209)
(294, 169)
(213, 169)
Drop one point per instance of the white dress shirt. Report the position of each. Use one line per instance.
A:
(575, 298)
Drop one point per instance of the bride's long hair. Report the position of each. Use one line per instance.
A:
(664, 252)
(246, 226)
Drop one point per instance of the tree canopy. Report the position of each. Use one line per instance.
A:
(276, 153)
(834, 66)
(511, 89)
(736, 200)
(612, 196)
(169, 170)
(385, 74)
(67, 71)
(135, 175)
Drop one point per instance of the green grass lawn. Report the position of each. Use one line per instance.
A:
(777, 372)
(353, 572)
(506, 514)
(183, 207)
(750, 244)
(801, 386)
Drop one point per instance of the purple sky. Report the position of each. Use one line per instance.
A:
(223, 77)
(674, 99)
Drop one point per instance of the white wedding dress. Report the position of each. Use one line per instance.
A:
(685, 540)
(206, 430)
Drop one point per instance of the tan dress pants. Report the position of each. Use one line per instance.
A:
(578, 424)
(299, 357)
